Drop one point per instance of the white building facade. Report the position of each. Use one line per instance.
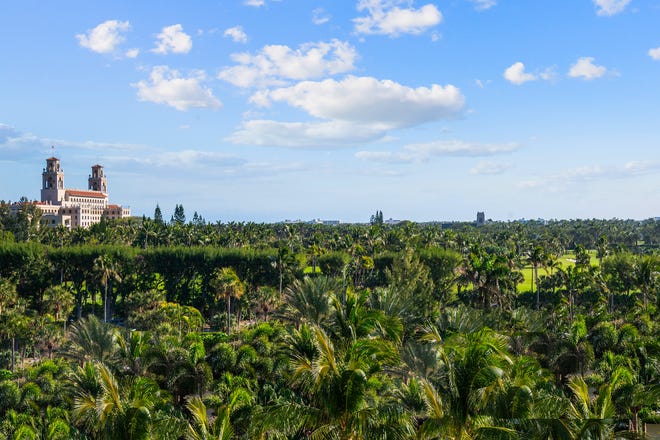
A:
(73, 208)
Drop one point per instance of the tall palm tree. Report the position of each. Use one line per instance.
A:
(574, 279)
(536, 257)
(59, 300)
(602, 248)
(14, 323)
(108, 271)
(285, 261)
(491, 276)
(647, 274)
(227, 285)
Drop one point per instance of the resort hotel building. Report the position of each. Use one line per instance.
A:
(73, 208)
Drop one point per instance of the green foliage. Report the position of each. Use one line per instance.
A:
(337, 354)
(333, 263)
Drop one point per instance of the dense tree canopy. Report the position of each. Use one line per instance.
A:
(147, 329)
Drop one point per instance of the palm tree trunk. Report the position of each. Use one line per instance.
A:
(281, 279)
(105, 303)
(228, 314)
(538, 291)
(13, 353)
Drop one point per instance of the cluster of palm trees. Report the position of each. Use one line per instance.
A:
(342, 363)
(394, 332)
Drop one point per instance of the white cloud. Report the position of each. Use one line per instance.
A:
(237, 34)
(166, 86)
(482, 83)
(482, 5)
(350, 112)
(516, 74)
(567, 179)
(366, 100)
(387, 18)
(386, 157)
(132, 53)
(7, 132)
(635, 168)
(549, 74)
(172, 39)
(585, 68)
(277, 64)
(423, 152)
(254, 3)
(655, 53)
(460, 148)
(324, 135)
(105, 37)
(490, 168)
(191, 159)
(610, 7)
(15, 144)
(319, 16)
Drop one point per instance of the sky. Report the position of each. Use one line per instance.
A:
(266, 110)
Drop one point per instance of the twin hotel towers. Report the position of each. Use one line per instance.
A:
(73, 208)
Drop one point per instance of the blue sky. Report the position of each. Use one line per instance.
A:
(264, 110)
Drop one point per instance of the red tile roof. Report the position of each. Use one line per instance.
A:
(113, 206)
(78, 193)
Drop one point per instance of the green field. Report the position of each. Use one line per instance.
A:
(568, 259)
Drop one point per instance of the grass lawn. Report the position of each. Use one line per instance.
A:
(565, 260)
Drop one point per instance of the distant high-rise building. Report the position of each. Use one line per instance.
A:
(481, 218)
(74, 208)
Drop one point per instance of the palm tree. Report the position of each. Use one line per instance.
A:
(221, 428)
(108, 271)
(536, 257)
(575, 279)
(121, 411)
(227, 285)
(60, 300)
(308, 300)
(179, 366)
(647, 274)
(13, 324)
(574, 352)
(285, 261)
(471, 376)
(48, 333)
(602, 248)
(354, 319)
(7, 294)
(492, 278)
(591, 418)
(337, 390)
(92, 340)
(204, 428)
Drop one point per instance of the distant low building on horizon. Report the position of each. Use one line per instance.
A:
(73, 208)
